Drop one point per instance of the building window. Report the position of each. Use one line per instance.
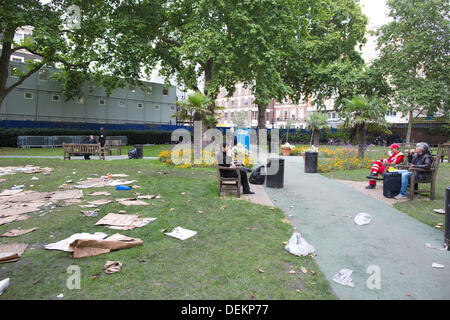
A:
(392, 113)
(55, 98)
(157, 107)
(140, 105)
(132, 88)
(43, 75)
(101, 102)
(18, 37)
(165, 91)
(246, 102)
(80, 100)
(15, 71)
(172, 108)
(28, 95)
(17, 59)
(149, 89)
(122, 104)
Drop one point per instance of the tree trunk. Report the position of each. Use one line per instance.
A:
(316, 137)
(361, 141)
(312, 135)
(262, 116)
(4, 68)
(410, 124)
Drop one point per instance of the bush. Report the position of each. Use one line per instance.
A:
(8, 137)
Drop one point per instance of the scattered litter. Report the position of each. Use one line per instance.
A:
(132, 202)
(10, 192)
(111, 267)
(68, 181)
(148, 197)
(362, 218)
(114, 183)
(100, 202)
(304, 270)
(16, 232)
(2, 180)
(72, 201)
(223, 207)
(28, 169)
(181, 233)
(59, 296)
(437, 265)
(3, 285)
(87, 248)
(99, 193)
(63, 245)
(34, 178)
(440, 211)
(11, 252)
(344, 277)
(260, 270)
(298, 246)
(88, 206)
(292, 271)
(122, 211)
(121, 187)
(123, 221)
(119, 175)
(92, 213)
(428, 245)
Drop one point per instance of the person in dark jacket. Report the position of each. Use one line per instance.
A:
(226, 161)
(102, 138)
(420, 158)
(91, 140)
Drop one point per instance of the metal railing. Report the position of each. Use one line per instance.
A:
(57, 141)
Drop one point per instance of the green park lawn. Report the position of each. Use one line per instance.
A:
(422, 209)
(220, 262)
(149, 151)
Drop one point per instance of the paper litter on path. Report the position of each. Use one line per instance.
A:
(63, 245)
(181, 233)
(16, 232)
(344, 277)
(362, 218)
(298, 246)
(437, 265)
(3, 285)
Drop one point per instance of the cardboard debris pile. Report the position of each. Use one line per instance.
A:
(86, 248)
(13, 207)
(27, 169)
(98, 183)
(132, 202)
(11, 252)
(111, 267)
(123, 221)
(16, 232)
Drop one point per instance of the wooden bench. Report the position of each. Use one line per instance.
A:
(76, 148)
(432, 181)
(111, 145)
(229, 183)
(443, 150)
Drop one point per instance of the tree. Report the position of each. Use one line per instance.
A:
(315, 122)
(197, 107)
(414, 55)
(360, 113)
(239, 120)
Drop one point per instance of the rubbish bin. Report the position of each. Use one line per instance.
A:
(311, 162)
(275, 180)
(140, 151)
(447, 218)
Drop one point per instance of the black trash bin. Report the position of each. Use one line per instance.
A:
(140, 151)
(311, 162)
(447, 218)
(275, 180)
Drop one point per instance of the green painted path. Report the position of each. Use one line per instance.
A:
(393, 241)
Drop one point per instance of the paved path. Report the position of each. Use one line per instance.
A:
(75, 158)
(393, 240)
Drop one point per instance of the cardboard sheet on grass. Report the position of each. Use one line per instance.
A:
(132, 202)
(27, 169)
(181, 233)
(101, 182)
(11, 252)
(123, 221)
(16, 232)
(88, 248)
(14, 206)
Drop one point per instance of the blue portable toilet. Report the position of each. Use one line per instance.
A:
(243, 137)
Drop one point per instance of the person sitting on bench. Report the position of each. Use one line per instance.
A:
(91, 140)
(226, 161)
(379, 166)
(419, 158)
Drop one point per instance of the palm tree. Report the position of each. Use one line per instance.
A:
(288, 126)
(197, 107)
(315, 122)
(364, 113)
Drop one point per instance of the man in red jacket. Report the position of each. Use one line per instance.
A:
(378, 166)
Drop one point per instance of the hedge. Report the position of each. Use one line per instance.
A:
(8, 137)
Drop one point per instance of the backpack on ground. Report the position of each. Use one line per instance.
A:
(132, 154)
(392, 183)
(257, 177)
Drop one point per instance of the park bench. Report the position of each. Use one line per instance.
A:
(76, 148)
(443, 150)
(229, 183)
(415, 182)
(111, 145)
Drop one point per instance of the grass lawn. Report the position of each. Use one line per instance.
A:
(421, 210)
(220, 262)
(149, 151)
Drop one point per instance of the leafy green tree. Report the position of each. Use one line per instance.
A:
(239, 120)
(414, 55)
(315, 122)
(197, 107)
(361, 113)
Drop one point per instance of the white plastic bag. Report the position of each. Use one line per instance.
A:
(298, 246)
(344, 277)
(3, 285)
(362, 218)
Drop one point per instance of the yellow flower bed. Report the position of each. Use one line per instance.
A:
(208, 160)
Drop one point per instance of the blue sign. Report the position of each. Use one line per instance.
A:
(243, 137)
